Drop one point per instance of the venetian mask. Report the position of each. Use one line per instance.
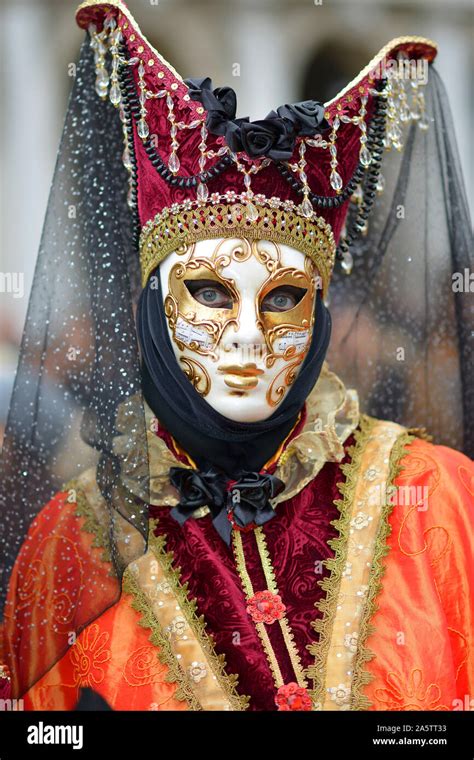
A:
(240, 315)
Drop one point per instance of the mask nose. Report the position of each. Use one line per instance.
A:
(247, 339)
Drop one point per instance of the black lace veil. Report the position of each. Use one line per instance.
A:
(403, 320)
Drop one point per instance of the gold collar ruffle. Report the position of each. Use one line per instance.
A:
(332, 414)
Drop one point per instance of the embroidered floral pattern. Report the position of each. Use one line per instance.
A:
(290, 696)
(350, 641)
(88, 655)
(197, 671)
(265, 607)
(360, 521)
(340, 694)
(409, 694)
(178, 626)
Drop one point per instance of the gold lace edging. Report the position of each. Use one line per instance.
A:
(227, 681)
(361, 675)
(331, 584)
(91, 524)
(184, 691)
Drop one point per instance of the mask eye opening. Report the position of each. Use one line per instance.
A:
(292, 293)
(223, 299)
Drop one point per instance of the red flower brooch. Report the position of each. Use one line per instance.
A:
(265, 607)
(290, 696)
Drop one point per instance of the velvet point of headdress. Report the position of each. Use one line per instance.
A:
(199, 172)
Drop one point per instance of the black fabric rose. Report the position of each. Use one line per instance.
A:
(273, 137)
(196, 489)
(246, 500)
(250, 497)
(307, 116)
(220, 104)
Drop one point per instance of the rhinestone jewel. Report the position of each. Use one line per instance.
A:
(336, 181)
(364, 157)
(202, 192)
(115, 95)
(173, 163)
(306, 208)
(142, 128)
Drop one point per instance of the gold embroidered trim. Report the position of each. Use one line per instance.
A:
(331, 584)
(361, 676)
(247, 585)
(284, 624)
(91, 523)
(227, 681)
(184, 691)
(249, 592)
(162, 235)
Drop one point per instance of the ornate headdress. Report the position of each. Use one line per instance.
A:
(197, 171)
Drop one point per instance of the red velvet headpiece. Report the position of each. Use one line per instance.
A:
(189, 181)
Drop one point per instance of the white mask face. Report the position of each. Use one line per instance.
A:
(240, 316)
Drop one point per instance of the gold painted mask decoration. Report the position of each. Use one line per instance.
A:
(240, 315)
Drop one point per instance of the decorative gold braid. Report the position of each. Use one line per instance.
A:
(176, 674)
(164, 234)
(361, 676)
(240, 563)
(249, 592)
(331, 584)
(91, 523)
(227, 681)
(284, 624)
(270, 653)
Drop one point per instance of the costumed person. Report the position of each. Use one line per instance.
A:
(224, 523)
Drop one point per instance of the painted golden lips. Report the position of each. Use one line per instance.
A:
(204, 309)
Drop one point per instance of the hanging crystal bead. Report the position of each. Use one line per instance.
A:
(347, 262)
(336, 181)
(380, 183)
(102, 83)
(202, 192)
(364, 157)
(306, 208)
(115, 94)
(173, 163)
(126, 159)
(142, 128)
